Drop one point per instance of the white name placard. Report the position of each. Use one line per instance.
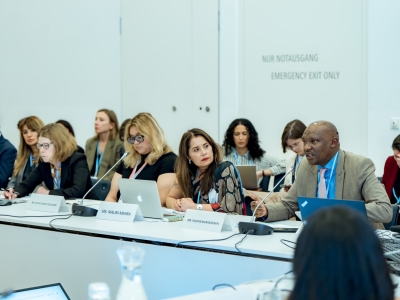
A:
(205, 220)
(47, 203)
(121, 212)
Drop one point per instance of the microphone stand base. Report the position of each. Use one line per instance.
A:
(83, 211)
(257, 228)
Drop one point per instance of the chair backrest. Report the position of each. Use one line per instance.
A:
(102, 188)
(394, 218)
(265, 182)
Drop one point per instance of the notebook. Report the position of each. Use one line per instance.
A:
(143, 193)
(45, 292)
(309, 205)
(248, 176)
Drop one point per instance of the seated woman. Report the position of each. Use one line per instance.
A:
(242, 147)
(68, 127)
(28, 154)
(339, 256)
(292, 139)
(204, 181)
(64, 171)
(103, 150)
(149, 158)
(391, 174)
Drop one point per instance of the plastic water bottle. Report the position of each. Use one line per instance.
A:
(98, 291)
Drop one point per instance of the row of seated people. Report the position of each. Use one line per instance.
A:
(201, 177)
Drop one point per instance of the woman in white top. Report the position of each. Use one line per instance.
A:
(292, 140)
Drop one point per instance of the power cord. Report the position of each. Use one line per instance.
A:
(250, 231)
(58, 229)
(223, 284)
(283, 241)
(199, 241)
(65, 217)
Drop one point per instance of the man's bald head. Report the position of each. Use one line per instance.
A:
(321, 142)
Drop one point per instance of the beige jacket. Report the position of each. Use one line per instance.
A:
(355, 180)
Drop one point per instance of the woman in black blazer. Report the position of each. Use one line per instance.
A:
(64, 171)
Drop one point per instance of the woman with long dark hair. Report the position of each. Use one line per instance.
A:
(339, 256)
(204, 181)
(242, 147)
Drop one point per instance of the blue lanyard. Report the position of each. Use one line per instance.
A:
(57, 178)
(330, 177)
(395, 196)
(98, 159)
(198, 195)
(237, 159)
(31, 160)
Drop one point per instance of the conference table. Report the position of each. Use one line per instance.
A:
(33, 254)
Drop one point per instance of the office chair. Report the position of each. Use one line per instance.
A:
(101, 189)
(265, 182)
(394, 218)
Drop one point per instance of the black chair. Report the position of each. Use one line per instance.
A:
(265, 182)
(102, 188)
(380, 179)
(394, 218)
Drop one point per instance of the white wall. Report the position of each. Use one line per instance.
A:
(62, 59)
(58, 60)
(383, 78)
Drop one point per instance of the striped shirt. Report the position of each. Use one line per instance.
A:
(277, 166)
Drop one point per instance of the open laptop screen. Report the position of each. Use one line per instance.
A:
(45, 292)
(309, 205)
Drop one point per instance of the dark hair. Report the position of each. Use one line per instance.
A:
(184, 170)
(293, 130)
(396, 143)
(67, 125)
(122, 129)
(339, 256)
(253, 145)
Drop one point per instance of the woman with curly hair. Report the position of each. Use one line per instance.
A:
(242, 147)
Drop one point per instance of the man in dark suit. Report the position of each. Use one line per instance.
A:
(8, 154)
(345, 176)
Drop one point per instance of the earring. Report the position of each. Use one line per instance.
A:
(190, 161)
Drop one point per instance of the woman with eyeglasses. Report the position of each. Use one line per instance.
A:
(104, 149)
(149, 158)
(391, 173)
(242, 147)
(204, 181)
(64, 171)
(28, 154)
(292, 139)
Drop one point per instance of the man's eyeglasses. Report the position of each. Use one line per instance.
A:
(137, 138)
(45, 145)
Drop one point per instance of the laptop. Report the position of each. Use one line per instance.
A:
(248, 176)
(44, 292)
(309, 205)
(143, 193)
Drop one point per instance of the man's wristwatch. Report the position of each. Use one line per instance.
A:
(199, 206)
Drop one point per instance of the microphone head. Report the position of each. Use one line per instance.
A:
(125, 154)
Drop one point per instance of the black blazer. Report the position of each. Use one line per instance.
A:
(75, 179)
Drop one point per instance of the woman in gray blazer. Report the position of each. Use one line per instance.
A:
(28, 154)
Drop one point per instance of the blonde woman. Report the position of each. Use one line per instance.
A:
(64, 171)
(150, 157)
(28, 154)
(104, 149)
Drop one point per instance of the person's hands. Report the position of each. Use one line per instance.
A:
(42, 190)
(261, 211)
(177, 205)
(187, 203)
(287, 188)
(9, 194)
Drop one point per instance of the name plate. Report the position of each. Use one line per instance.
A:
(47, 203)
(206, 220)
(121, 212)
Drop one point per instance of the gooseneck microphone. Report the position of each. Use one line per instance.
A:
(85, 211)
(252, 227)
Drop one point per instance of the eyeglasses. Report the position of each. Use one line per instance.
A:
(138, 138)
(295, 145)
(45, 145)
